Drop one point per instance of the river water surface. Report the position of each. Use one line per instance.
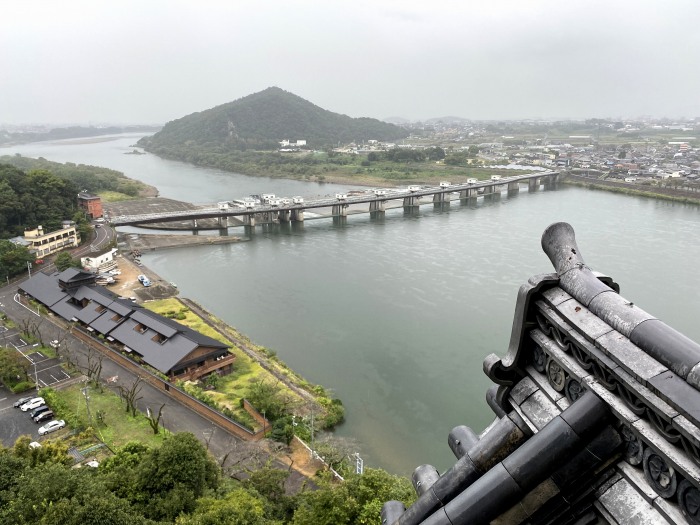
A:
(396, 316)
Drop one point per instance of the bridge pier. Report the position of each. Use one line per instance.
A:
(194, 224)
(297, 216)
(377, 216)
(340, 220)
(284, 215)
(339, 210)
(223, 221)
(513, 186)
(550, 182)
(410, 202)
(249, 220)
(249, 230)
(489, 189)
(377, 206)
(468, 194)
(533, 184)
(439, 198)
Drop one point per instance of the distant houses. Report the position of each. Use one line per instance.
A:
(168, 346)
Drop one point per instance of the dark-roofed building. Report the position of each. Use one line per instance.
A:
(168, 346)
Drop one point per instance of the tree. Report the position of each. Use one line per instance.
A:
(268, 397)
(238, 507)
(172, 477)
(154, 420)
(435, 153)
(64, 261)
(14, 367)
(130, 395)
(50, 451)
(13, 259)
(358, 500)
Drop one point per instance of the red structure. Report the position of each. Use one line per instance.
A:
(92, 204)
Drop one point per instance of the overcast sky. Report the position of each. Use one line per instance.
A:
(151, 61)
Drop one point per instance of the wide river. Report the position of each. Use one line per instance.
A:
(396, 316)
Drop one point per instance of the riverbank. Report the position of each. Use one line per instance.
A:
(304, 396)
(636, 190)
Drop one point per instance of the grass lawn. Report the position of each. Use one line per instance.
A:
(117, 428)
(115, 196)
(233, 387)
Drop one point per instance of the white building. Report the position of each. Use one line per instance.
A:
(100, 263)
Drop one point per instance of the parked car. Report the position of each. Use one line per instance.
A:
(146, 283)
(54, 343)
(44, 416)
(142, 278)
(32, 403)
(21, 401)
(38, 410)
(51, 426)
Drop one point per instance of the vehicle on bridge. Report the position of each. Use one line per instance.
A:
(414, 188)
(224, 205)
(267, 197)
(249, 203)
(379, 193)
(341, 196)
(445, 184)
(495, 177)
(298, 200)
(472, 181)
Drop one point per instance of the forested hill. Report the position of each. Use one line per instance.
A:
(261, 120)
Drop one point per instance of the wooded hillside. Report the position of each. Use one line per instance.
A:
(261, 120)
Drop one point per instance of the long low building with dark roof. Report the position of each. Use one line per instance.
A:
(168, 346)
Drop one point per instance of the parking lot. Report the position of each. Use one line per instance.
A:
(15, 423)
(45, 370)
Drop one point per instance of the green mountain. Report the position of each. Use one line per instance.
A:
(261, 120)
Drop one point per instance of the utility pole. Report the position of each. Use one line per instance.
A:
(29, 269)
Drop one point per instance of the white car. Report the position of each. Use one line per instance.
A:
(55, 343)
(51, 426)
(33, 403)
(142, 278)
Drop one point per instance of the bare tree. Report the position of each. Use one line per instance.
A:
(31, 327)
(243, 457)
(94, 366)
(130, 395)
(334, 450)
(154, 421)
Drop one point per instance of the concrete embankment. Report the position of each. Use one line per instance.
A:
(635, 189)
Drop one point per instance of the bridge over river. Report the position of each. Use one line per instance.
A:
(372, 201)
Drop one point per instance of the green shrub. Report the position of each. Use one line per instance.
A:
(22, 386)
